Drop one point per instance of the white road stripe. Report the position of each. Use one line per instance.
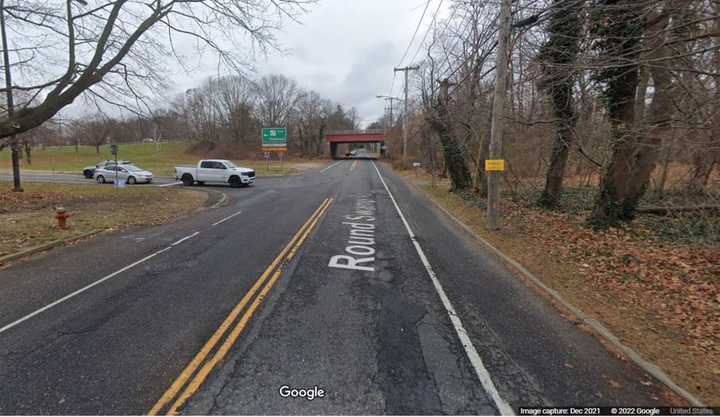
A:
(185, 238)
(328, 167)
(80, 291)
(170, 184)
(227, 218)
(470, 350)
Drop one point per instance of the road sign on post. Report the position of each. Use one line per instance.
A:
(494, 165)
(274, 139)
(114, 151)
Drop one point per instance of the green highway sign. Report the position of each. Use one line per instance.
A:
(274, 137)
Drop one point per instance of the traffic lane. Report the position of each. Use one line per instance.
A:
(377, 342)
(43, 278)
(73, 179)
(288, 181)
(31, 283)
(117, 347)
(49, 177)
(535, 355)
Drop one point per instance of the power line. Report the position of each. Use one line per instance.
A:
(392, 85)
(449, 21)
(432, 22)
(466, 22)
(471, 55)
(417, 28)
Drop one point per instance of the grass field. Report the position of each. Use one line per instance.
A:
(160, 159)
(28, 218)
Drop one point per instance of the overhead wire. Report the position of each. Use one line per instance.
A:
(417, 28)
(432, 22)
(464, 24)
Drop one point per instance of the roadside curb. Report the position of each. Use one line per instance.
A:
(598, 327)
(46, 246)
(215, 199)
(222, 201)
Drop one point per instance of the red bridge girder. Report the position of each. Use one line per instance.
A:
(355, 136)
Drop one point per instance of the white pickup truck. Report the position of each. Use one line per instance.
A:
(215, 171)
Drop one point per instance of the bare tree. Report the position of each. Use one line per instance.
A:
(312, 120)
(95, 131)
(455, 159)
(109, 50)
(276, 97)
(627, 83)
(629, 36)
(121, 40)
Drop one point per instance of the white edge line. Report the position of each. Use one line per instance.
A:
(185, 238)
(81, 290)
(170, 185)
(227, 218)
(328, 167)
(601, 330)
(482, 373)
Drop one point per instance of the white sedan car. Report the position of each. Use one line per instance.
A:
(129, 174)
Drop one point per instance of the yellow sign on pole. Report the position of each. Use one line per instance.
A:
(494, 165)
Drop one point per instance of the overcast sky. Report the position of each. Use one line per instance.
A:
(343, 49)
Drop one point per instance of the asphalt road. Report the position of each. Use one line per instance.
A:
(79, 179)
(305, 281)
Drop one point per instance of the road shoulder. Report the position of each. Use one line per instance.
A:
(538, 356)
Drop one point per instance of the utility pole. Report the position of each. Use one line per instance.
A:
(389, 99)
(405, 113)
(9, 98)
(498, 114)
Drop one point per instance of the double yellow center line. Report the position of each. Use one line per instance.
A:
(353, 165)
(191, 378)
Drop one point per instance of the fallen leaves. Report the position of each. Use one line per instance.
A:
(27, 218)
(679, 283)
(660, 296)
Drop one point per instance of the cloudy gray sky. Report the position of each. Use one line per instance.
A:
(343, 49)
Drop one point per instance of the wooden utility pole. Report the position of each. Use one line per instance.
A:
(389, 126)
(498, 113)
(390, 100)
(9, 101)
(405, 113)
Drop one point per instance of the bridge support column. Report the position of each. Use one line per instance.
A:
(333, 150)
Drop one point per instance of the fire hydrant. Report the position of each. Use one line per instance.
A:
(61, 216)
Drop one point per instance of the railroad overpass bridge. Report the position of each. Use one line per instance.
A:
(373, 137)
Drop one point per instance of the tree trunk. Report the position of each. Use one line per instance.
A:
(560, 53)
(481, 186)
(28, 151)
(663, 175)
(15, 152)
(481, 180)
(564, 137)
(633, 153)
(455, 161)
(643, 76)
